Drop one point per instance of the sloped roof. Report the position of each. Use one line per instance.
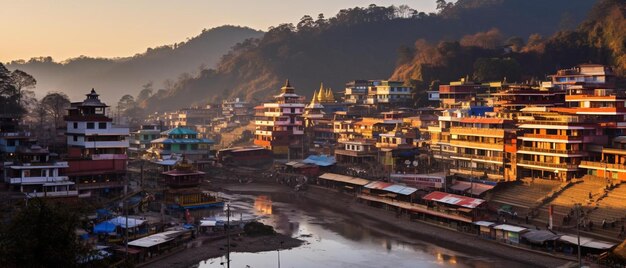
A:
(179, 131)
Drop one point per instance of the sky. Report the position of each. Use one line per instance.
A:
(118, 28)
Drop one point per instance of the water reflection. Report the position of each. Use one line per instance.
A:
(336, 240)
(263, 205)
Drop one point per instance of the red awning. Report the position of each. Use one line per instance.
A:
(453, 199)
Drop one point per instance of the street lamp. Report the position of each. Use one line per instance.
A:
(578, 209)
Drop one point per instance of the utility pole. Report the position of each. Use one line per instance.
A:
(578, 208)
(228, 235)
(472, 175)
(126, 212)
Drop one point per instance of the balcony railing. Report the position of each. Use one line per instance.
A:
(35, 180)
(478, 157)
(476, 144)
(482, 132)
(600, 165)
(546, 164)
(553, 137)
(553, 151)
(54, 194)
(98, 185)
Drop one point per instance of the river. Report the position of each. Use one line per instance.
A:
(334, 240)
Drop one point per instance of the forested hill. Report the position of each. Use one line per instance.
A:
(115, 77)
(359, 43)
(488, 56)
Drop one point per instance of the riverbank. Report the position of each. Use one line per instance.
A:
(204, 248)
(404, 229)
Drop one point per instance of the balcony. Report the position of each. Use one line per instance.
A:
(73, 193)
(481, 132)
(553, 137)
(99, 185)
(393, 145)
(475, 157)
(38, 180)
(477, 173)
(355, 153)
(478, 145)
(101, 144)
(601, 166)
(549, 165)
(552, 151)
(100, 132)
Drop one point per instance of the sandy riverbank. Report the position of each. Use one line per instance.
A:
(402, 228)
(201, 249)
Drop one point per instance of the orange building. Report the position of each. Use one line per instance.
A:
(279, 125)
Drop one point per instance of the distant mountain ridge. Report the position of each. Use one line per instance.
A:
(115, 77)
(358, 43)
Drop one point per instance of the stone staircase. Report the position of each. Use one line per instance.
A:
(577, 193)
(523, 195)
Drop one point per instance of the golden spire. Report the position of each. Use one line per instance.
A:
(314, 99)
(320, 94)
(330, 97)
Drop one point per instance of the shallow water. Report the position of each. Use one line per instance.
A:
(334, 240)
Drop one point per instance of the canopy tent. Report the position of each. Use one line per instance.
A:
(155, 239)
(586, 242)
(121, 221)
(104, 228)
(453, 199)
(509, 228)
(320, 160)
(400, 189)
(540, 236)
(343, 178)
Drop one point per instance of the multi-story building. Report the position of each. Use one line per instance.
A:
(236, 109)
(356, 91)
(181, 142)
(96, 149)
(36, 174)
(279, 125)
(388, 93)
(140, 139)
(514, 97)
(456, 93)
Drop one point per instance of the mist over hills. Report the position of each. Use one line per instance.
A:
(116, 77)
(358, 43)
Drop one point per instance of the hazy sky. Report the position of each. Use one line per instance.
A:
(111, 28)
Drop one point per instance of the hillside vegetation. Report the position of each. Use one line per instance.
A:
(359, 43)
(114, 77)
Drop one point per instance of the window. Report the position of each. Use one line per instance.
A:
(75, 125)
(183, 147)
(75, 137)
(90, 126)
(102, 125)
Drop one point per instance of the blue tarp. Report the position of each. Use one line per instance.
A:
(103, 213)
(104, 228)
(320, 160)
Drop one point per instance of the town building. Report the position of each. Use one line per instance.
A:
(35, 173)
(140, 139)
(280, 126)
(181, 142)
(96, 148)
(236, 110)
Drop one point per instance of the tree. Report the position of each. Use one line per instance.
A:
(9, 95)
(41, 235)
(496, 69)
(126, 102)
(145, 92)
(55, 103)
(22, 81)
